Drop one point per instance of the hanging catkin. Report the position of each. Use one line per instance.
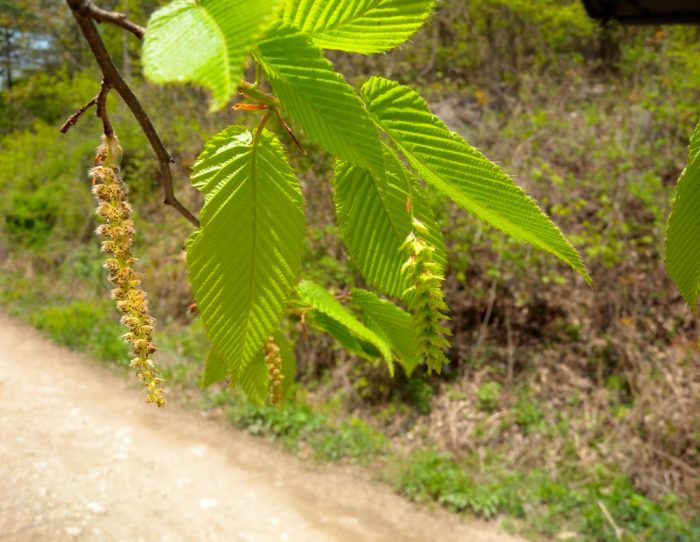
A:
(425, 298)
(274, 369)
(118, 231)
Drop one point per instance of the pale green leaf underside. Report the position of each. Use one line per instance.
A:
(683, 233)
(358, 26)
(319, 299)
(205, 42)
(342, 334)
(374, 221)
(392, 323)
(318, 99)
(245, 259)
(445, 160)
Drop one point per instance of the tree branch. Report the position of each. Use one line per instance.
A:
(70, 121)
(88, 9)
(112, 79)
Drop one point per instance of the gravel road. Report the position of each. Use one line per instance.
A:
(83, 458)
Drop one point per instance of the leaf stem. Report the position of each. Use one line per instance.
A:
(251, 91)
(261, 126)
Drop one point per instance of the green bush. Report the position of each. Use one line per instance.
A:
(433, 476)
(84, 326)
(352, 440)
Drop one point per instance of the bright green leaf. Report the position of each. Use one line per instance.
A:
(254, 381)
(289, 363)
(205, 42)
(342, 334)
(445, 160)
(244, 261)
(392, 323)
(319, 299)
(683, 233)
(374, 220)
(359, 26)
(215, 369)
(318, 99)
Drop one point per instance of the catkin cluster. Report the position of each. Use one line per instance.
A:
(118, 231)
(274, 369)
(425, 298)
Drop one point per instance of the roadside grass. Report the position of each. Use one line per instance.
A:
(577, 504)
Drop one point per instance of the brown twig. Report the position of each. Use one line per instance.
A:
(102, 108)
(84, 13)
(70, 121)
(88, 9)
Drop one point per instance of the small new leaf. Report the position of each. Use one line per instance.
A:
(324, 303)
(392, 323)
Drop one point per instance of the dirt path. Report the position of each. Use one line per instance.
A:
(82, 458)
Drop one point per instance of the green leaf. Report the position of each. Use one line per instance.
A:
(683, 233)
(318, 98)
(445, 160)
(289, 363)
(245, 259)
(392, 323)
(319, 299)
(374, 220)
(342, 334)
(358, 26)
(215, 369)
(254, 380)
(205, 42)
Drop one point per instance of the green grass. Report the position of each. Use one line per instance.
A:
(86, 327)
(577, 502)
(543, 506)
(297, 425)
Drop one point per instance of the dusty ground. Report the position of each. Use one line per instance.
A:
(82, 458)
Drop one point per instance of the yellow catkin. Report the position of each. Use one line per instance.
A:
(118, 232)
(274, 369)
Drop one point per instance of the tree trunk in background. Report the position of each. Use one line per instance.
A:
(7, 35)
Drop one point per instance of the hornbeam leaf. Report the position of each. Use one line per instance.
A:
(342, 334)
(244, 260)
(359, 26)
(205, 42)
(289, 363)
(445, 160)
(215, 369)
(683, 233)
(254, 380)
(392, 323)
(319, 299)
(374, 219)
(318, 98)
